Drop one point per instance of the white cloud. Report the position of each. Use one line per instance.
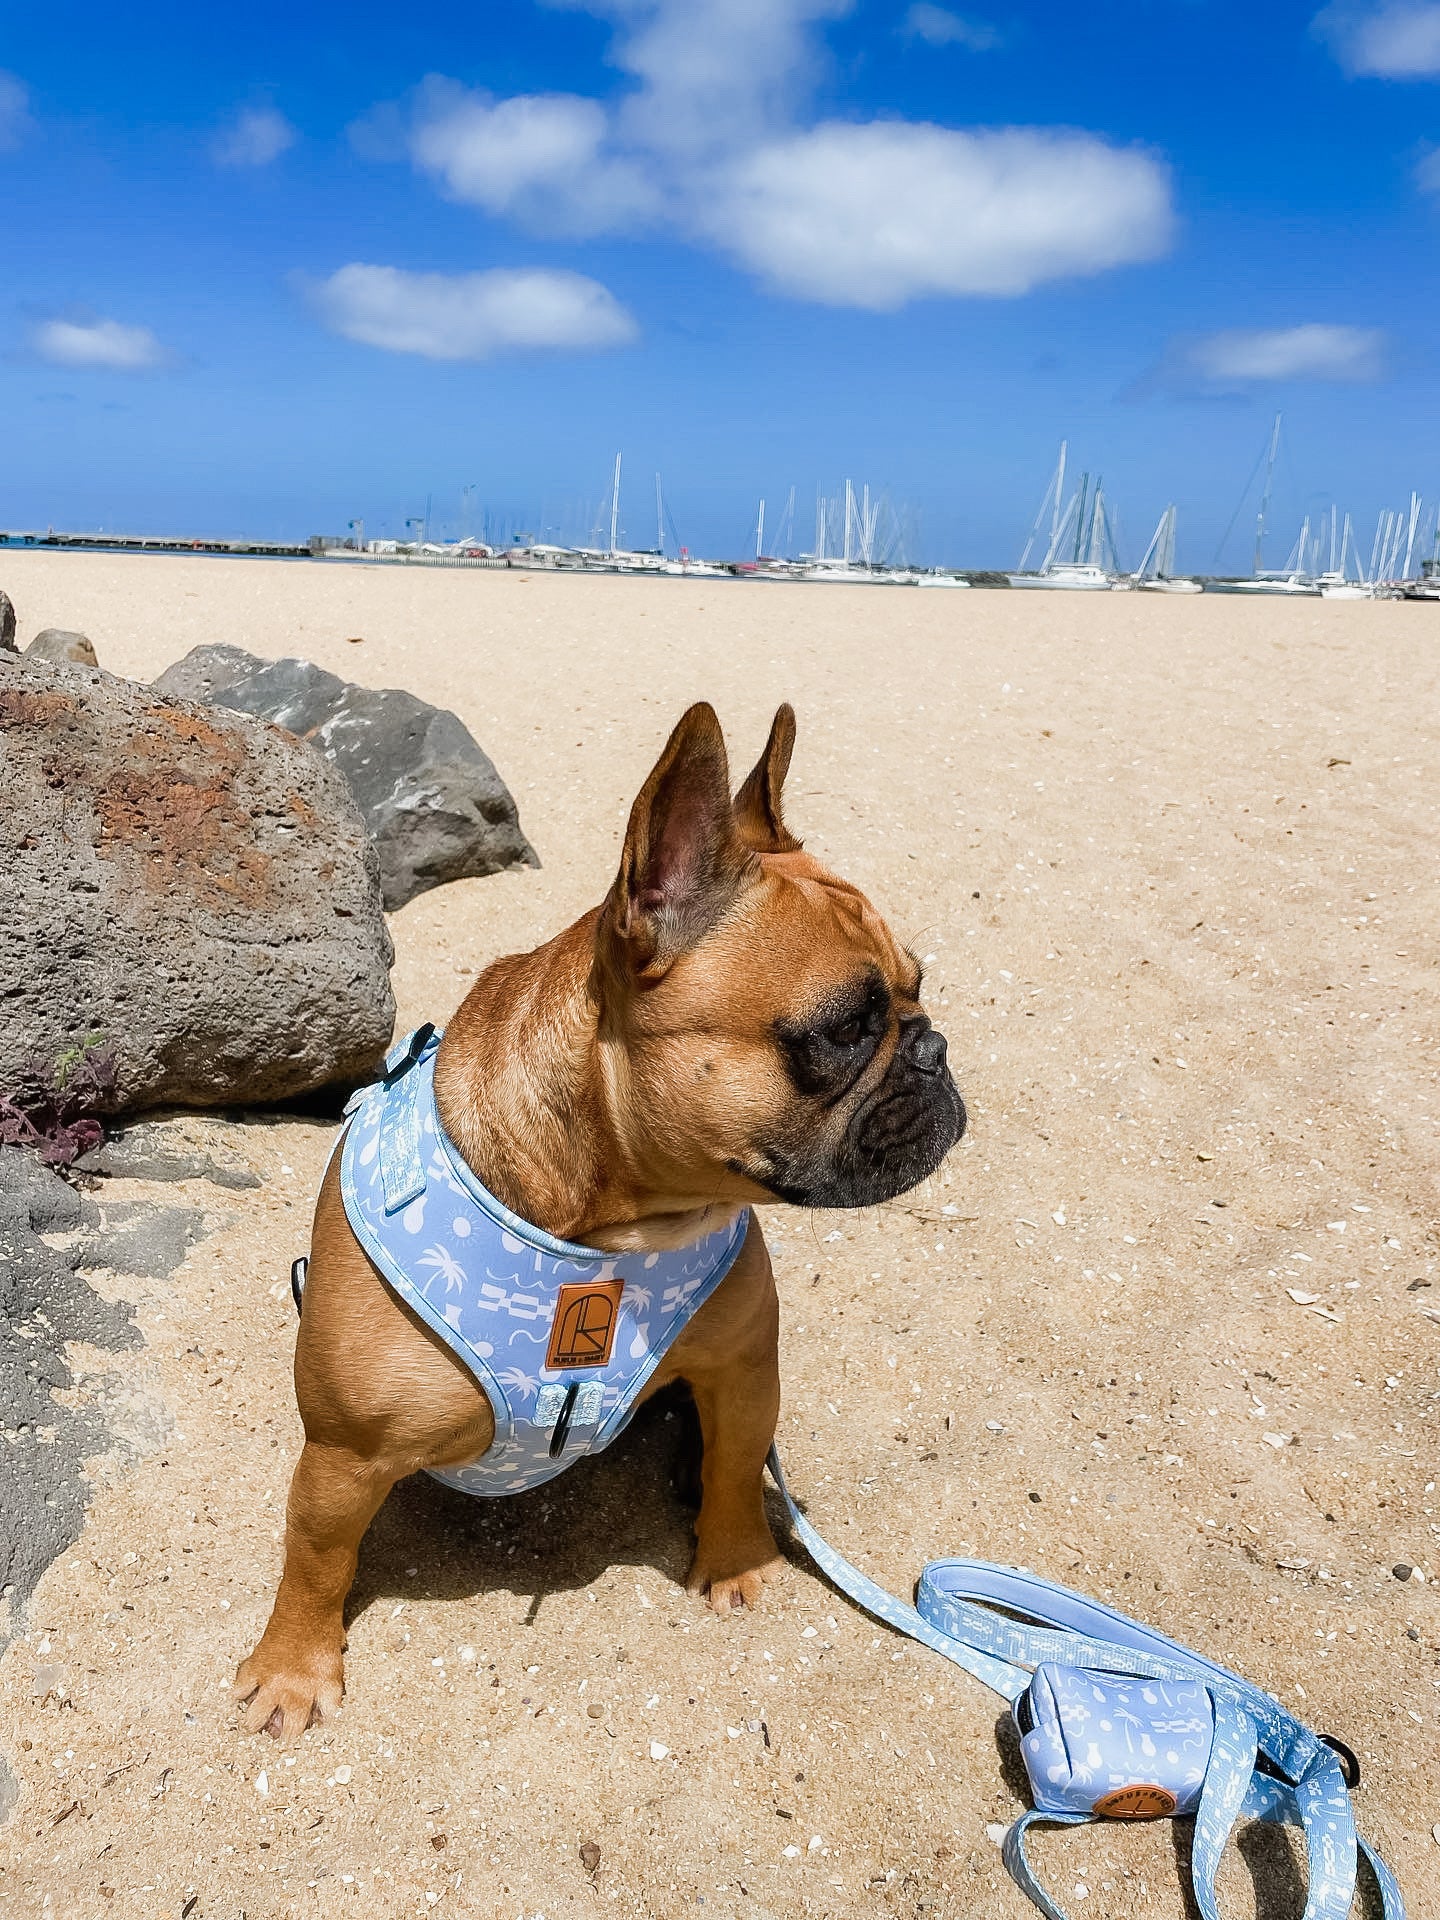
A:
(873, 216)
(1427, 172)
(714, 74)
(710, 142)
(471, 316)
(939, 28)
(255, 138)
(1396, 41)
(98, 343)
(538, 158)
(15, 121)
(1243, 357)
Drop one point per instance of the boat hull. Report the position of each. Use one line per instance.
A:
(1060, 583)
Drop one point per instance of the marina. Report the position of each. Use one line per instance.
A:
(862, 539)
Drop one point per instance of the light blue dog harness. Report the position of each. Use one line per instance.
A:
(1115, 1720)
(562, 1338)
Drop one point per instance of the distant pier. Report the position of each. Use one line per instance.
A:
(164, 543)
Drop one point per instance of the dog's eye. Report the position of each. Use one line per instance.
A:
(850, 1033)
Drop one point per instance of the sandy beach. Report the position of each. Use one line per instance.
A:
(1164, 1327)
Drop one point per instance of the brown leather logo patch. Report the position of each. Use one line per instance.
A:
(586, 1316)
(1135, 1803)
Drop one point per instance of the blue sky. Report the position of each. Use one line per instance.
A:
(267, 269)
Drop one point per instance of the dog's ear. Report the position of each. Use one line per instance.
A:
(683, 857)
(757, 805)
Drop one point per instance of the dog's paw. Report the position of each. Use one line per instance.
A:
(732, 1580)
(282, 1691)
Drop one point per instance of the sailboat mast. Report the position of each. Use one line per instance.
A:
(1410, 536)
(786, 536)
(1059, 495)
(615, 506)
(659, 517)
(1081, 524)
(760, 529)
(1265, 496)
(1155, 550)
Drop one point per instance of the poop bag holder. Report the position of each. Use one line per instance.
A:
(1118, 1722)
(1120, 1748)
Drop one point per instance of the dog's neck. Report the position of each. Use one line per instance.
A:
(522, 1089)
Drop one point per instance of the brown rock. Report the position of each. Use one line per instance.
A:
(55, 643)
(195, 887)
(7, 622)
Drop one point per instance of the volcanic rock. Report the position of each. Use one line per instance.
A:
(190, 889)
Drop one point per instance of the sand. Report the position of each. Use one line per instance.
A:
(1172, 866)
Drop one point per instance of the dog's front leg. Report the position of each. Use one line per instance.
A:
(735, 1549)
(294, 1675)
(731, 1360)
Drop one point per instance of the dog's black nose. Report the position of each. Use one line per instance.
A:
(927, 1050)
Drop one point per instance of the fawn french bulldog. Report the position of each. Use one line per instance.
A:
(734, 1024)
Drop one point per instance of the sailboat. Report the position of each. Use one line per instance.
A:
(861, 561)
(1084, 570)
(1427, 586)
(1292, 579)
(614, 558)
(1162, 551)
(1335, 582)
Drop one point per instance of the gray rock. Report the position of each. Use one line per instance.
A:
(148, 1242)
(34, 1196)
(50, 1433)
(55, 643)
(194, 886)
(44, 1305)
(143, 1153)
(7, 622)
(433, 802)
(204, 669)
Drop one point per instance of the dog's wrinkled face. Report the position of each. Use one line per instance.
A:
(765, 1032)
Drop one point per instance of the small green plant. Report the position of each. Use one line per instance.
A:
(52, 1107)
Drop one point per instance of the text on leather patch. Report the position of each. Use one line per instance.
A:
(1136, 1803)
(583, 1330)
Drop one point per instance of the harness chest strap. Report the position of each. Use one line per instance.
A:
(561, 1338)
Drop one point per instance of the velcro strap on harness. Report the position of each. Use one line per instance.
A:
(402, 1170)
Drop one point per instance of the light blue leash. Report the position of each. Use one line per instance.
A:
(1115, 1719)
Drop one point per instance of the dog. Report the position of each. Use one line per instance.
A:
(735, 1024)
